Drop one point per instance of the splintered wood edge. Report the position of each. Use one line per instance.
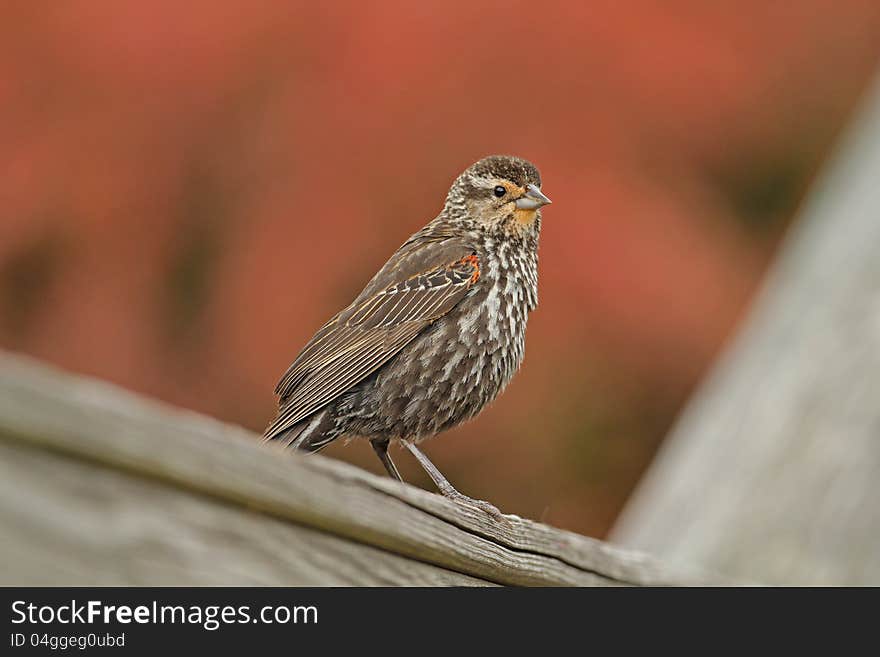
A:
(89, 419)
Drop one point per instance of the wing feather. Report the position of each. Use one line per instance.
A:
(421, 283)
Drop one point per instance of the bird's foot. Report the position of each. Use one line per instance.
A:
(448, 490)
(486, 507)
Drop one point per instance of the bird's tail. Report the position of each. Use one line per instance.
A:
(311, 434)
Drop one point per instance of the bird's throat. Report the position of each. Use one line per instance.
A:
(524, 218)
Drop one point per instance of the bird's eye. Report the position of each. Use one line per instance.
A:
(499, 191)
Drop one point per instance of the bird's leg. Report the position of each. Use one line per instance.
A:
(381, 449)
(447, 489)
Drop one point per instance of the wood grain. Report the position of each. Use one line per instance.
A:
(68, 438)
(74, 523)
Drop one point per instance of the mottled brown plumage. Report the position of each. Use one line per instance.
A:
(435, 335)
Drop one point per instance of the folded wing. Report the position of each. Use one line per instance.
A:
(420, 284)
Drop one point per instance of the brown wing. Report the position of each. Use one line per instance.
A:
(421, 283)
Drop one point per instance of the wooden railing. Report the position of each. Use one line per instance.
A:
(102, 486)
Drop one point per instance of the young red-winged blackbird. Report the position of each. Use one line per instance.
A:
(435, 336)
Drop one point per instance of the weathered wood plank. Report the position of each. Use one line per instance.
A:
(69, 522)
(774, 468)
(100, 423)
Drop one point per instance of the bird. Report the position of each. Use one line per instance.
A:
(436, 334)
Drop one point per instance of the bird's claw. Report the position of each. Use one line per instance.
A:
(486, 507)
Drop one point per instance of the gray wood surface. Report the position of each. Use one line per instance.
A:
(74, 523)
(99, 486)
(773, 471)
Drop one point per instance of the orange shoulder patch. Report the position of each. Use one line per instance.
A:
(474, 262)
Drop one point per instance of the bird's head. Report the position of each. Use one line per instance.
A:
(501, 192)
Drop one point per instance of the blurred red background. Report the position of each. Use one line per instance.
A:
(189, 190)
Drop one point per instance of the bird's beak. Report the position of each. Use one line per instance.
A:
(532, 200)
